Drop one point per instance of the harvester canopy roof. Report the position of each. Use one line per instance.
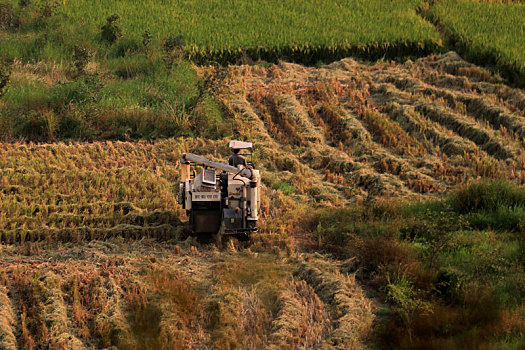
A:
(240, 145)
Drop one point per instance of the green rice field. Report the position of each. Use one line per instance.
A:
(223, 28)
(493, 32)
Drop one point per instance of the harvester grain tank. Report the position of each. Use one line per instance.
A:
(221, 197)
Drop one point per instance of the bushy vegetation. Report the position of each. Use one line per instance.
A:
(451, 269)
(492, 33)
(59, 80)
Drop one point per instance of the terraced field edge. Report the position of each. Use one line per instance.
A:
(311, 55)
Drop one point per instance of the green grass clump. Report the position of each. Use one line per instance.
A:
(488, 196)
(285, 187)
(496, 205)
(491, 33)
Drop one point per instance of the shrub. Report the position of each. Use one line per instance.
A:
(146, 39)
(472, 325)
(335, 229)
(73, 125)
(9, 19)
(32, 126)
(5, 73)
(383, 256)
(487, 195)
(173, 43)
(407, 304)
(521, 242)
(111, 31)
(47, 9)
(173, 47)
(24, 3)
(449, 282)
(504, 217)
(126, 47)
(81, 57)
(79, 92)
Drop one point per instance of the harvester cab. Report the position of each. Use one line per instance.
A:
(221, 196)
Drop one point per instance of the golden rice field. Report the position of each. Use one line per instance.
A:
(94, 249)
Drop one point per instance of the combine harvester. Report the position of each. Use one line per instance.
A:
(226, 202)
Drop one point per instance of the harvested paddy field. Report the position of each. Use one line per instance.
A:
(95, 253)
(384, 129)
(335, 135)
(143, 295)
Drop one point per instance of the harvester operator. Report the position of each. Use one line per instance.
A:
(236, 159)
